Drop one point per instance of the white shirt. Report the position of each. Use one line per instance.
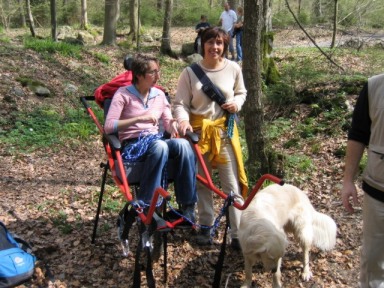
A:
(228, 19)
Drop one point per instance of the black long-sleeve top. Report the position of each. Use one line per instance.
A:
(361, 122)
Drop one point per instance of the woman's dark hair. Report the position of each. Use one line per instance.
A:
(140, 65)
(214, 32)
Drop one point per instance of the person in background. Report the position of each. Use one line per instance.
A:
(195, 111)
(238, 33)
(134, 113)
(200, 27)
(367, 132)
(227, 20)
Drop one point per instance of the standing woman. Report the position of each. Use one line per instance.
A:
(195, 111)
(238, 32)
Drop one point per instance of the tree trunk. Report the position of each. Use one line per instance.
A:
(30, 18)
(53, 21)
(317, 11)
(23, 22)
(112, 10)
(159, 5)
(270, 72)
(134, 20)
(257, 163)
(166, 39)
(84, 15)
(299, 7)
(336, 9)
(65, 17)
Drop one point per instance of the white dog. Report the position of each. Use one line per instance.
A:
(273, 211)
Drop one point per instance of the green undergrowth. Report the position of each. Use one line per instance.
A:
(51, 47)
(310, 102)
(46, 126)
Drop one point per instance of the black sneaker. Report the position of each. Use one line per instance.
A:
(204, 237)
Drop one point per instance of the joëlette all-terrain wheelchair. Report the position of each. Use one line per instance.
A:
(160, 217)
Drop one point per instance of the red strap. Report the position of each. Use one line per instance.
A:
(107, 90)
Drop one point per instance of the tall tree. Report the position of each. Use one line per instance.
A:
(165, 47)
(269, 68)
(65, 13)
(317, 8)
(31, 23)
(22, 14)
(134, 20)
(298, 7)
(53, 21)
(112, 11)
(335, 12)
(84, 15)
(159, 5)
(253, 110)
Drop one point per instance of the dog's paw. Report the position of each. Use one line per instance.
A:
(276, 282)
(306, 275)
(276, 285)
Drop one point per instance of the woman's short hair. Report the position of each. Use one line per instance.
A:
(140, 65)
(214, 32)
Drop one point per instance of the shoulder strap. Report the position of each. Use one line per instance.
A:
(200, 73)
(209, 88)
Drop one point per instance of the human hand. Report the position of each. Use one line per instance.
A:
(174, 129)
(231, 107)
(184, 126)
(349, 191)
(150, 118)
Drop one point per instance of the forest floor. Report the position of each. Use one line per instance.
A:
(49, 197)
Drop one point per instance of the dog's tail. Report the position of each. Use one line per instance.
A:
(324, 231)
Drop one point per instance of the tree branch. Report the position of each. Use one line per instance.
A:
(310, 38)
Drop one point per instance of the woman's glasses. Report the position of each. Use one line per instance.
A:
(153, 72)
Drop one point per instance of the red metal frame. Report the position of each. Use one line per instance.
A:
(205, 179)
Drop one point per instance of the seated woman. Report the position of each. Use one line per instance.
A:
(135, 112)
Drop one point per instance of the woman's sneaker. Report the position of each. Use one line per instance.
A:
(204, 237)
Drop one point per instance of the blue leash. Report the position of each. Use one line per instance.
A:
(135, 151)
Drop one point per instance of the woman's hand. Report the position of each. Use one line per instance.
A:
(174, 129)
(184, 126)
(149, 118)
(231, 107)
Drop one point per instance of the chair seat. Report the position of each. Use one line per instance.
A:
(135, 170)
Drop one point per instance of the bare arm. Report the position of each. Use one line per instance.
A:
(353, 156)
